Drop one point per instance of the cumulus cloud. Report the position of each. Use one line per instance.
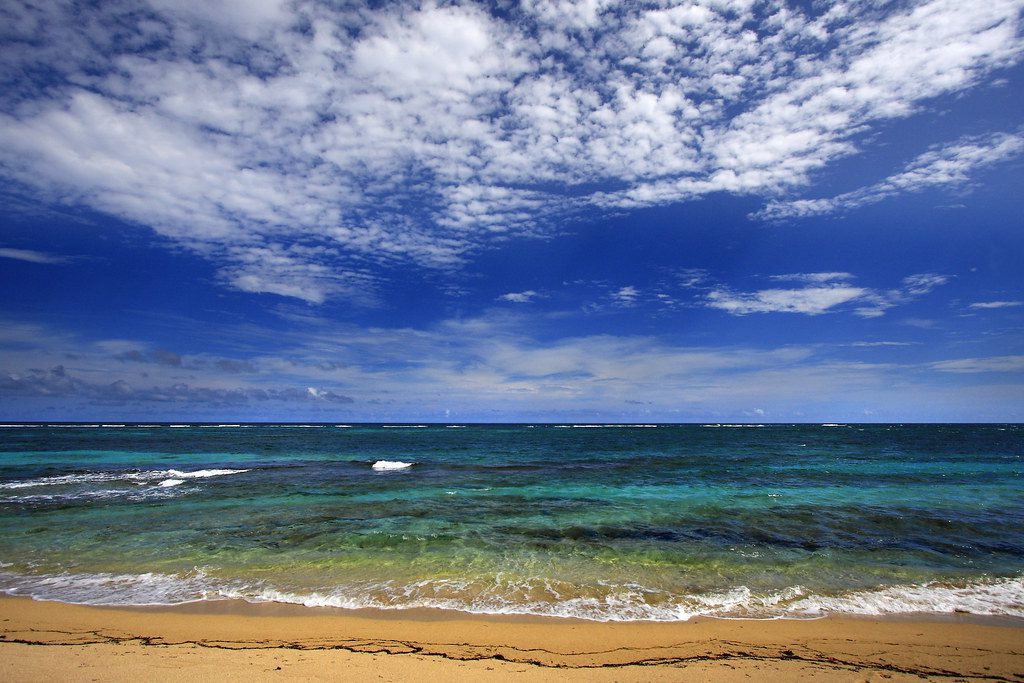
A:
(302, 145)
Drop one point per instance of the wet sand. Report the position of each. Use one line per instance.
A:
(229, 640)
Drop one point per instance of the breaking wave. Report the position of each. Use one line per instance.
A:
(499, 595)
(140, 476)
(384, 465)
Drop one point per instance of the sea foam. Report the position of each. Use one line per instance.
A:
(995, 597)
(616, 602)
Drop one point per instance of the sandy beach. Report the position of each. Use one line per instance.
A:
(55, 641)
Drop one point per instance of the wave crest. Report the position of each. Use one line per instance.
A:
(385, 465)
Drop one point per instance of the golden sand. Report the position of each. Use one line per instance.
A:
(220, 641)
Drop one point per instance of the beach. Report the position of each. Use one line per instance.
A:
(55, 641)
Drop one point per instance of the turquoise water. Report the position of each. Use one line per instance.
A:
(614, 523)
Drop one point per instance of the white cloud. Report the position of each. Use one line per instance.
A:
(948, 166)
(974, 365)
(996, 304)
(690, 278)
(808, 300)
(823, 293)
(923, 283)
(876, 303)
(31, 256)
(625, 296)
(249, 19)
(812, 277)
(519, 297)
(296, 272)
(881, 343)
(334, 140)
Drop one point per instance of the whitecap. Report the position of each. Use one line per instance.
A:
(736, 426)
(166, 483)
(200, 474)
(384, 465)
(139, 477)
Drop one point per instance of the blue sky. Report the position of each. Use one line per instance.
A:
(717, 210)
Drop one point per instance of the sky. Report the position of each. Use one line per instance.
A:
(705, 211)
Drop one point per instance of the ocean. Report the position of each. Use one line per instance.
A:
(601, 522)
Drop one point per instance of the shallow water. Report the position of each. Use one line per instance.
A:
(611, 523)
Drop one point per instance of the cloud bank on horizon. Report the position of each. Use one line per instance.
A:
(322, 156)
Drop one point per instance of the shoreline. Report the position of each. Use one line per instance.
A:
(984, 600)
(245, 608)
(278, 641)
